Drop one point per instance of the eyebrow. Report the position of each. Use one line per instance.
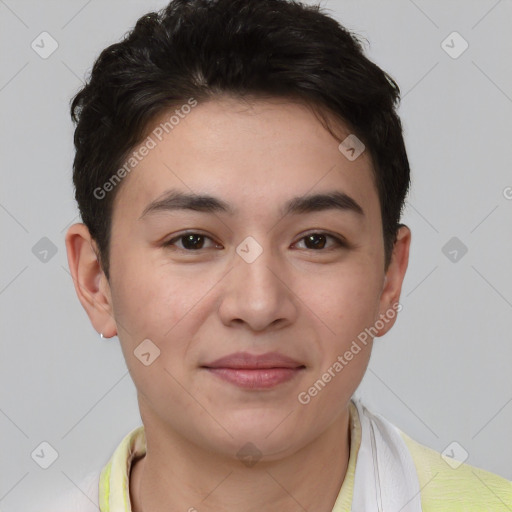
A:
(177, 200)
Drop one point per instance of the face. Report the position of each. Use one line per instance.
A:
(256, 269)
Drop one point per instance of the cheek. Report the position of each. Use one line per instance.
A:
(159, 304)
(346, 305)
(150, 299)
(149, 306)
(346, 302)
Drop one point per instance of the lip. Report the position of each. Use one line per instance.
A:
(252, 371)
(247, 361)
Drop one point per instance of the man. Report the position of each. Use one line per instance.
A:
(240, 172)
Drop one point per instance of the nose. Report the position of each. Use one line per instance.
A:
(258, 294)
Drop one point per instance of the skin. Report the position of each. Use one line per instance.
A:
(196, 306)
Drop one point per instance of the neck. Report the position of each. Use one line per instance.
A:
(178, 475)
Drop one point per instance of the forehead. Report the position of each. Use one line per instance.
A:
(247, 153)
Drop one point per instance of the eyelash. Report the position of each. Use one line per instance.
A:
(340, 243)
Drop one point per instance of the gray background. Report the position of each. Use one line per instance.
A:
(442, 374)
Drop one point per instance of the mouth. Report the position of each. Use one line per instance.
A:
(251, 371)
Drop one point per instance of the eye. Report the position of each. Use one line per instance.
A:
(317, 241)
(190, 241)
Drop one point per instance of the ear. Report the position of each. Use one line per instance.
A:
(91, 284)
(390, 295)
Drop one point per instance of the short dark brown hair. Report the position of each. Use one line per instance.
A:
(203, 49)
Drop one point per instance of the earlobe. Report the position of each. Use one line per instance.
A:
(91, 284)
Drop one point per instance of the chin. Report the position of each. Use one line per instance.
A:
(270, 434)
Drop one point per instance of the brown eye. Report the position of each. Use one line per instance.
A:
(193, 241)
(189, 242)
(318, 241)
